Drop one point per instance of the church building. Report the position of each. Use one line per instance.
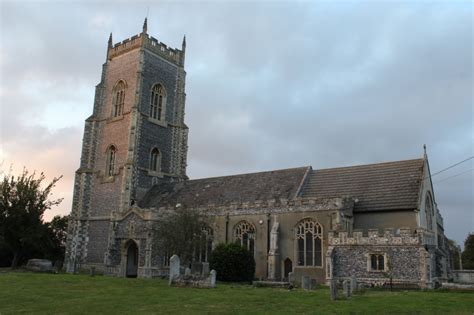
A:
(377, 222)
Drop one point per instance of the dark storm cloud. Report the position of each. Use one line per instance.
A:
(270, 84)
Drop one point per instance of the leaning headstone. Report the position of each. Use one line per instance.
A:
(40, 265)
(187, 272)
(213, 275)
(333, 289)
(353, 285)
(346, 286)
(306, 283)
(291, 278)
(174, 268)
(205, 269)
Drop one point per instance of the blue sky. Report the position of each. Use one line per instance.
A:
(270, 85)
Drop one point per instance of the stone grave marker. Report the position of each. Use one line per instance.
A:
(333, 289)
(213, 275)
(346, 286)
(174, 268)
(353, 285)
(291, 278)
(306, 283)
(187, 272)
(205, 269)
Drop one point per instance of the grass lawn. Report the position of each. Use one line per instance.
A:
(80, 294)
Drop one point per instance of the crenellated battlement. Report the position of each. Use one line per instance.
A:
(173, 55)
(405, 236)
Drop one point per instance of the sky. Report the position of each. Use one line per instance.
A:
(270, 85)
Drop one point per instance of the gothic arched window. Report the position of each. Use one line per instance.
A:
(429, 211)
(155, 160)
(245, 235)
(204, 245)
(118, 98)
(309, 238)
(157, 102)
(110, 165)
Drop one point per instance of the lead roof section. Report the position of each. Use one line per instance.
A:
(226, 190)
(378, 187)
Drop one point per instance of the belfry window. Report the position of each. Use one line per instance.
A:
(245, 235)
(118, 98)
(157, 102)
(309, 238)
(110, 165)
(155, 160)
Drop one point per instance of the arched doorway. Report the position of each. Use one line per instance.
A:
(132, 260)
(288, 267)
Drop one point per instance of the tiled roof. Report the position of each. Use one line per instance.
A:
(383, 186)
(227, 189)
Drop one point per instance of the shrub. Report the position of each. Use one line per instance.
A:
(232, 263)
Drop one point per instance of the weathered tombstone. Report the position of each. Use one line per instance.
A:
(346, 286)
(92, 271)
(333, 289)
(187, 272)
(41, 265)
(306, 283)
(174, 268)
(291, 278)
(205, 269)
(213, 275)
(353, 285)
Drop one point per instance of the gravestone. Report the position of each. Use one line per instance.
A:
(213, 275)
(205, 269)
(353, 285)
(187, 272)
(174, 268)
(41, 265)
(346, 287)
(196, 268)
(333, 289)
(92, 271)
(291, 278)
(306, 283)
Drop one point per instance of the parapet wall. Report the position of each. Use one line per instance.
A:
(173, 55)
(405, 236)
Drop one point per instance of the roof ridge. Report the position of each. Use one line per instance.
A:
(251, 173)
(372, 164)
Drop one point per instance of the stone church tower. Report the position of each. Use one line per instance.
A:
(136, 137)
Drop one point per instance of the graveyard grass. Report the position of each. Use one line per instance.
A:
(80, 294)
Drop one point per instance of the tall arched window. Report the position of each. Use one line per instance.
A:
(110, 165)
(157, 102)
(309, 238)
(245, 235)
(118, 98)
(155, 159)
(429, 211)
(204, 245)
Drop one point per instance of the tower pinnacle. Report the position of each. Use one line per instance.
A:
(145, 26)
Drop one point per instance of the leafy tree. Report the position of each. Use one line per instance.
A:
(181, 232)
(57, 234)
(23, 202)
(468, 253)
(232, 262)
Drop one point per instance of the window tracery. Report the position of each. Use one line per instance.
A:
(309, 238)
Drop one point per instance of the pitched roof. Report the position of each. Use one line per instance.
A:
(227, 189)
(383, 186)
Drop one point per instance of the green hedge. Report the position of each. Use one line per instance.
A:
(232, 263)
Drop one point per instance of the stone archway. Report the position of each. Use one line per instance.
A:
(131, 260)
